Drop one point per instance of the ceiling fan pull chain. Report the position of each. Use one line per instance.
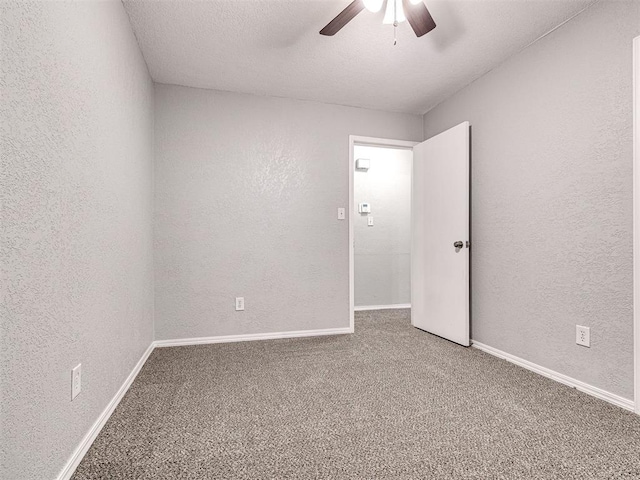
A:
(395, 22)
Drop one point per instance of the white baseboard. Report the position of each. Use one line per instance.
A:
(381, 307)
(559, 377)
(87, 441)
(251, 337)
(91, 435)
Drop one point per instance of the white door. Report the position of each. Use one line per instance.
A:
(440, 235)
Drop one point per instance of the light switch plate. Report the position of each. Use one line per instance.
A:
(341, 213)
(239, 304)
(370, 221)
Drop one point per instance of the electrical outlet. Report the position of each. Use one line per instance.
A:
(239, 304)
(583, 336)
(76, 381)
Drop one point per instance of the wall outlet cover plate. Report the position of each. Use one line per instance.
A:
(76, 381)
(583, 336)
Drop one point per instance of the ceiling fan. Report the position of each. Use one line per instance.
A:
(397, 11)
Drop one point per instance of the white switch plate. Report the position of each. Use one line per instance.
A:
(341, 213)
(76, 381)
(370, 221)
(583, 336)
(239, 304)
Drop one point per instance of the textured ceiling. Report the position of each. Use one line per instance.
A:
(273, 47)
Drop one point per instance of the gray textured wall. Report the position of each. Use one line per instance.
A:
(382, 255)
(247, 191)
(552, 197)
(76, 223)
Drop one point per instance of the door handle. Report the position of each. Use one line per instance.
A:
(458, 245)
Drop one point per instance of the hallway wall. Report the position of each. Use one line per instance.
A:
(382, 254)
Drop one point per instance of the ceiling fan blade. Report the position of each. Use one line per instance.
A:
(419, 17)
(343, 18)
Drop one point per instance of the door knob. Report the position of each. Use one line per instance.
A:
(458, 244)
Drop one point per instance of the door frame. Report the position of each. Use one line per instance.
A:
(369, 142)
(636, 220)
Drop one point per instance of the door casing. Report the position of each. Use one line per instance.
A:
(636, 220)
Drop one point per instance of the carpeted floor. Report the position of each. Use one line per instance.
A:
(389, 401)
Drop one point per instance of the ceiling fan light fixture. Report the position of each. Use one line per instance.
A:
(418, 17)
(373, 5)
(392, 15)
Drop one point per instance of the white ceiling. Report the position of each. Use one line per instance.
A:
(272, 47)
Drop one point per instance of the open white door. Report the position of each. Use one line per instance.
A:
(440, 235)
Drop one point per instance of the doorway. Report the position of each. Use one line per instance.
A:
(379, 230)
(420, 251)
(382, 227)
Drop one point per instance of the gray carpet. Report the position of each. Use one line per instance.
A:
(389, 401)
